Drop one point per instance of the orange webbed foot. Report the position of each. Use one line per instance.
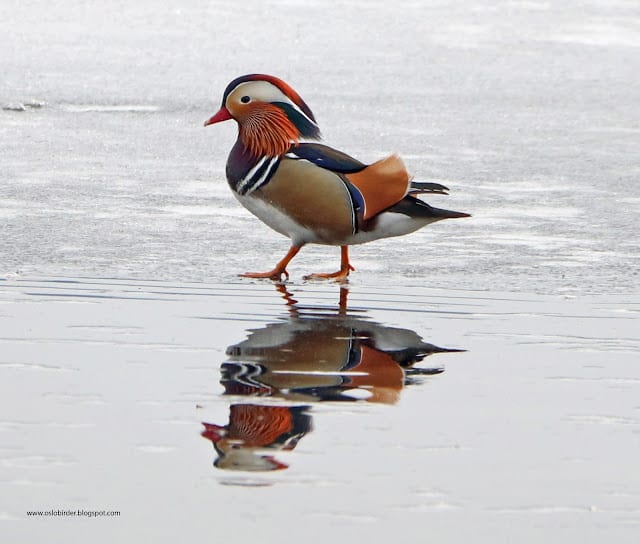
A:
(279, 270)
(274, 275)
(340, 276)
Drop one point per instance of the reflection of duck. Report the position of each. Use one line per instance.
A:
(324, 357)
(316, 354)
(254, 428)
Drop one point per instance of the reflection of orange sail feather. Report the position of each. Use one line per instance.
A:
(381, 375)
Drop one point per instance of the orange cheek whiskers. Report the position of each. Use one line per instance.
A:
(268, 131)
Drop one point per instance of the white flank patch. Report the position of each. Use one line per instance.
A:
(278, 221)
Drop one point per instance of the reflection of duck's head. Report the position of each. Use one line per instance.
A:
(247, 460)
(324, 357)
(254, 429)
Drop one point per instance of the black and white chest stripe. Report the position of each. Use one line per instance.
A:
(258, 175)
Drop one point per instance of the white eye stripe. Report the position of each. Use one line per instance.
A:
(264, 92)
(260, 90)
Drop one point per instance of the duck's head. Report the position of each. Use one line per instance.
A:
(270, 114)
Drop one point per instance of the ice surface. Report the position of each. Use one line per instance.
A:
(534, 128)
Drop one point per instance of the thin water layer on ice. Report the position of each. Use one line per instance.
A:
(383, 409)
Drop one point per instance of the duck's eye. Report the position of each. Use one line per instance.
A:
(245, 99)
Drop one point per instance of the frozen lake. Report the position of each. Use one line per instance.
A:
(124, 329)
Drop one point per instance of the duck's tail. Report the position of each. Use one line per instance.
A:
(417, 208)
(418, 187)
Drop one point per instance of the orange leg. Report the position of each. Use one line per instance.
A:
(278, 271)
(340, 275)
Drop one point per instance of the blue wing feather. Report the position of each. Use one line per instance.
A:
(327, 157)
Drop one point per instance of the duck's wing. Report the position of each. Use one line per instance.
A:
(374, 187)
(326, 157)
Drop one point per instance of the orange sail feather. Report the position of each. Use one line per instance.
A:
(382, 184)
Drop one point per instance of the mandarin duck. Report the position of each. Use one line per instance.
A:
(307, 191)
